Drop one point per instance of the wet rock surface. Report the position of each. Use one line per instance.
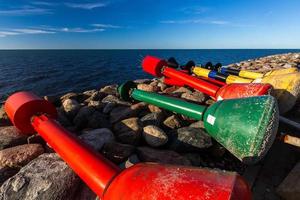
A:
(131, 132)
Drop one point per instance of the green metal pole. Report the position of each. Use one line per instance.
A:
(176, 105)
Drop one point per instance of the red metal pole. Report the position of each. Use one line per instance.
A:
(95, 170)
(191, 81)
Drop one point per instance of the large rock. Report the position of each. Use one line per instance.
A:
(129, 130)
(147, 87)
(147, 154)
(10, 136)
(117, 152)
(62, 118)
(4, 121)
(120, 112)
(45, 178)
(79, 97)
(97, 137)
(98, 105)
(95, 96)
(110, 90)
(6, 173)
(189, 139)
(153, 108)
(153, 119)
(113, 99)
(71, 107)
(82, 117)
(20, 155)
(172, 122)
(198, 97)
(154, 136)
(289, 189)
(98, 120)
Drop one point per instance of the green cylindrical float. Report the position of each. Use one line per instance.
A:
(246, 127)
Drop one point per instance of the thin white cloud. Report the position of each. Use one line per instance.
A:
(46, 30)
(195, 21)
(82, 30)
(105, 26)
(86, 6)
(43, 3)
(23, 31)
(25, 11)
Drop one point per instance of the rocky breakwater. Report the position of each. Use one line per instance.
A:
(126, 133)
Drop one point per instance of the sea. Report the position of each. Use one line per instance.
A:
(55, 72)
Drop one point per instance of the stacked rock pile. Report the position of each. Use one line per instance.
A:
(126, 133)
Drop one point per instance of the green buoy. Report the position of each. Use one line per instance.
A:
(246, 127)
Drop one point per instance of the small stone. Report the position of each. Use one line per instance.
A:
(147, 154)
(195, 158)
(113, 99)
(96, 96)
(147, 87)
(4, 121)
(198, 97)
(182, 90)
(62, 118)
(46, 177)
(98, 120)
(189, 139)
(55, 100)
(71, 107)
(154, 109)
(129, 130)
(19, 155)
(110, 90)
(117, 152)
(170, 90)
(290, 187)
(84, 193)
(75, 96)
(10, 136)
(172, 122)
(138, 81)
(153, 119)
(197, 124)
(97, 138)
(89, 92)
(154, 136)
(209, 102)
(132, 160)
(82, 117)
(108, 108)
(120, 113)
(98, 105)
(162, 86)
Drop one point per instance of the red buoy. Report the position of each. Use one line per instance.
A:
(158, 67)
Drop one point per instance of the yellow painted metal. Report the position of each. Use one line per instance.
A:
(251, 75)
(286, 89)
(201, 71)
(281, 71)
(237, 79)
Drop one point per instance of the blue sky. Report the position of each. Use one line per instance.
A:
(140, 24)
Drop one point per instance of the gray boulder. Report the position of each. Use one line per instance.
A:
(97, 138)
(45, 178)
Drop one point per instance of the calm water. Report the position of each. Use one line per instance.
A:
(50, 72)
